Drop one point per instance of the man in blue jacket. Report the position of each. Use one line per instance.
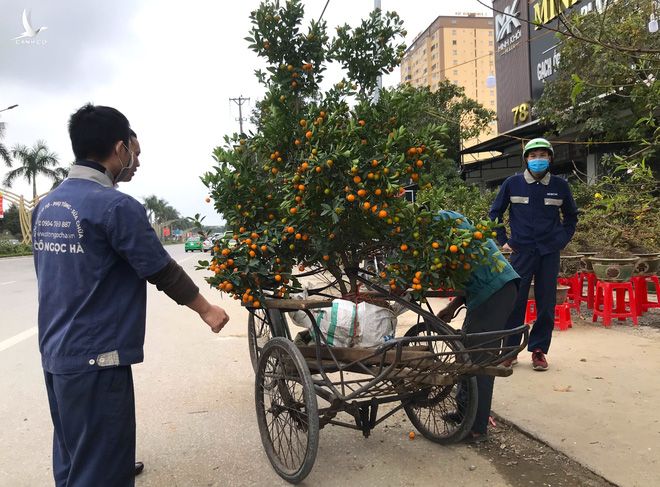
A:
(94, 251)
(538, 232)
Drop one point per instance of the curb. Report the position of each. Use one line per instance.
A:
(538, 439)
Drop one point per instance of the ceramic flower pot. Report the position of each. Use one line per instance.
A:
(585, 263)
(562, 293)
(569, 265)
(648, 264)
(613, 270)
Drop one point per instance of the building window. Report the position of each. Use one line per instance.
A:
(453, 43)
(453, 21)
(453, 32)
(492, 103)
(425, 69)
(433, 47)
(433, 67)
(490, 43)
(492, 92)
(433, 56)
(456, 72)
(454, 52)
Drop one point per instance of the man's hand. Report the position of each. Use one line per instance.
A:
(506, 247)
(215, 317)
(446, 314)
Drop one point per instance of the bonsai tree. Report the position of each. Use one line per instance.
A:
(320, 182)
(619, 212)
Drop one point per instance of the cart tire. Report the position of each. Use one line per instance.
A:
(287, 412)
(436, 416)
(260, 330)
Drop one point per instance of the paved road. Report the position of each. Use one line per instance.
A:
(195, 408)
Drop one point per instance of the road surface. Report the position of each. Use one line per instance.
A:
(195, 407)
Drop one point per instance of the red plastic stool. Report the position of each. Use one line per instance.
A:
(641, 294)
(530, 312)
(590, 277)
(574, 292)
(563, 316)
(604, 303)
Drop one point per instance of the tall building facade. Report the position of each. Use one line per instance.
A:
(459, 49)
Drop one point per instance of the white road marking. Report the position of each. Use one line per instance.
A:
(24, 335)
(5, 283)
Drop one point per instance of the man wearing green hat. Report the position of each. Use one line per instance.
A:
(542, 217)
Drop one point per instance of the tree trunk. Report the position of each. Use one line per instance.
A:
(34, 188)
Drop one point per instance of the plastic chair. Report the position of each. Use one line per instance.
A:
(604, 303)
(641, 293)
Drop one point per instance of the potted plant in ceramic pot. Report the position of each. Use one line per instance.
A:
(619, 216)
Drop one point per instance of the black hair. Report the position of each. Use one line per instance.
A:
(132, 133)
(94, 130)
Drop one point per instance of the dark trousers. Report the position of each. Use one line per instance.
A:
(491, 315)
(544, 270)
(93, 416)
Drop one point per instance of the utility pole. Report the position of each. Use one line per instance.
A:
(379, 83)
(240, 101)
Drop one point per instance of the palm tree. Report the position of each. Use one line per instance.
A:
(61, 173)
(153, 205)
(36, 160)
(4, 152)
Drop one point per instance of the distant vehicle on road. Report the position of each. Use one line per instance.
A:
(193, 243)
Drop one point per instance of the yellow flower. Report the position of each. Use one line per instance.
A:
(598, 196)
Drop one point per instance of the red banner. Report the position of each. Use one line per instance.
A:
(2, 214)
(166, 232)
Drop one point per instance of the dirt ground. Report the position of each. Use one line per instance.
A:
(525, 461)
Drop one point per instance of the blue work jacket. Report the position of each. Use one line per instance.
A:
(93, 249)
(534, 213)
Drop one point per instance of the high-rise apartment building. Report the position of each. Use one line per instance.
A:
(461, 50)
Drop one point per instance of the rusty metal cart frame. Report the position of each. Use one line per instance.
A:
(430, 372)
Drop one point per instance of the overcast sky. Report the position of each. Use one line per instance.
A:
(169, 66)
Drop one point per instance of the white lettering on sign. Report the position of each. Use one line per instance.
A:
(508, 28)
(507, 21)
(547, 66)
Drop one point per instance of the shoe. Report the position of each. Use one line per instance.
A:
(139, 466)
(539, 362)
(510, 362)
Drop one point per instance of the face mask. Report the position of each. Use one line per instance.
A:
(538, 165)
(125, 169)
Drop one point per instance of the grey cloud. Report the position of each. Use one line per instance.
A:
(72, 52)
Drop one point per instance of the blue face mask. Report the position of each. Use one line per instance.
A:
(538, 165)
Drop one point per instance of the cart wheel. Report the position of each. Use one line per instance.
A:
(287, 412)
(260, 330)
(258, 334)
(443, 414)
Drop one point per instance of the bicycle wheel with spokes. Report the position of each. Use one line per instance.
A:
(259, 333)
(287, 412)
(443, 414)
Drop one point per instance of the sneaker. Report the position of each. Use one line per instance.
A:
(538, 360)
(508, 363)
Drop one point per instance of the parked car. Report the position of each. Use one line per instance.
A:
(207, 244)
(193, 243)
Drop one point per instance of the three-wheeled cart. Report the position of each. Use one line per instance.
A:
(430, 373)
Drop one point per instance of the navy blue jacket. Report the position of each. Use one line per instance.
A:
(93, 248)
(534, 213)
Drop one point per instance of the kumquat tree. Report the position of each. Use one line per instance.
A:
(320, 182)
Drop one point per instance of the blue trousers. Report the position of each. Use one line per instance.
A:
(544, 270)
(93, 417)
